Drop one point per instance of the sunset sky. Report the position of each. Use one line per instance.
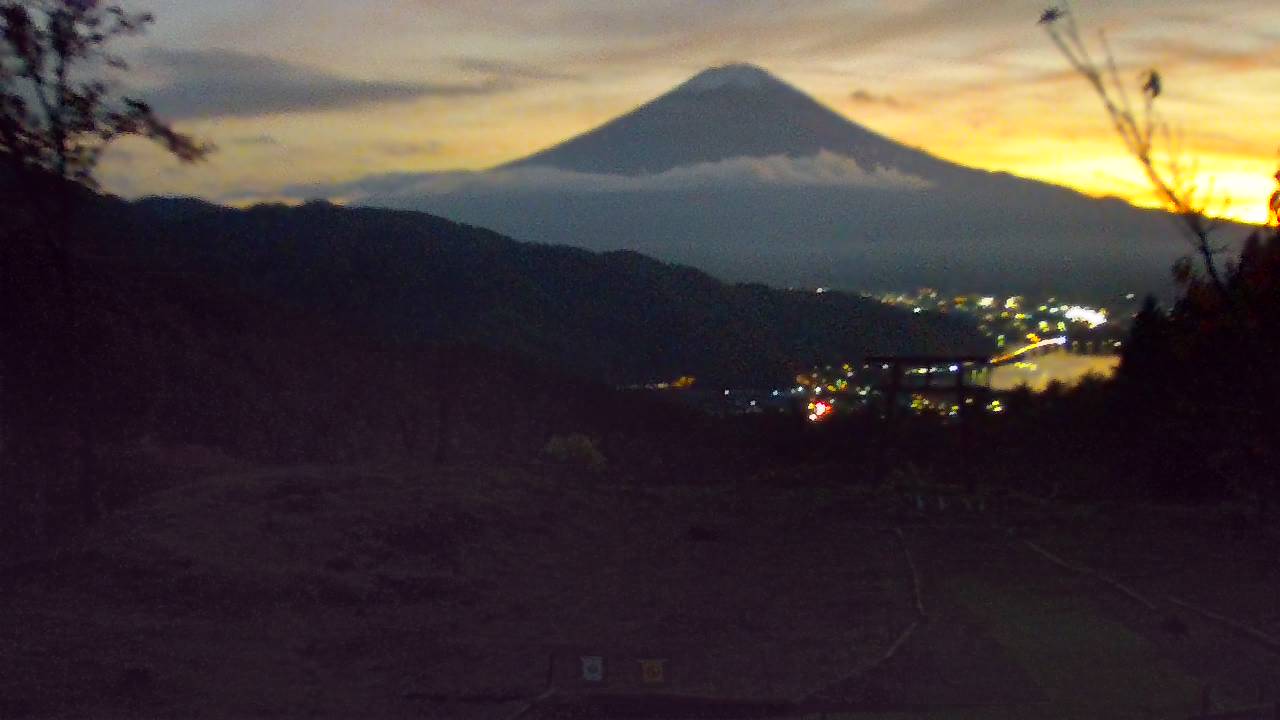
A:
(319, 91)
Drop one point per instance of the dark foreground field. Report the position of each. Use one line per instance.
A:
(469, 592)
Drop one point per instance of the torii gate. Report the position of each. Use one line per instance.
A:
(966, 367)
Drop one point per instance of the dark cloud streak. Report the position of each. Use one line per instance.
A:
(255, 140)
(224, 83)
(866, 97)
(512, 71)
(402, 148)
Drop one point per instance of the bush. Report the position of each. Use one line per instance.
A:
(576, 450)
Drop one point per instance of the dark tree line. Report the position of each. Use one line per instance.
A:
(1198, 384)
(1206, 374)
(57, 116)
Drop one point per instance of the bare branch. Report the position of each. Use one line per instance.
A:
(1175, 187)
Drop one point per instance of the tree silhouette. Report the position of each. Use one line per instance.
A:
(57, 116)
(1147, 348)
(1197, 383)
(1200, 380)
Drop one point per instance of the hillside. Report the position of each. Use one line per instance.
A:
(467, 592)
(281, 542)
(618, 318)
(322, 334)
(442, 593)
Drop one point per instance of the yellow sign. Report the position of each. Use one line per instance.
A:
(653, 672)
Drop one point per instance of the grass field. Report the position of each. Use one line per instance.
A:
(393, 592)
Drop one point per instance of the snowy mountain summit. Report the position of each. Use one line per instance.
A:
(727, 112)
(737, 75)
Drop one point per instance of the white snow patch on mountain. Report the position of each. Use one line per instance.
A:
(739, 75)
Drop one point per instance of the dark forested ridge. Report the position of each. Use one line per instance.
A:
(616, 317)
(332, 334)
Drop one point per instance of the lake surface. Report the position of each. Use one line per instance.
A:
(1065, 367)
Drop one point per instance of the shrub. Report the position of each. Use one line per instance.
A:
(576, 450)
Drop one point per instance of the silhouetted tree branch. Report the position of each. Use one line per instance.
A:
(1142, 130)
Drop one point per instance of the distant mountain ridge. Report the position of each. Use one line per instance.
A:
(744, 176)
(617, 317)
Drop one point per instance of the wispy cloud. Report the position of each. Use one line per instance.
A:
(1179, 52)
(980, 82)
(822, 170)
(255, 140)
(226, 83)
(407, 147)
(866, 97)
(512, 70)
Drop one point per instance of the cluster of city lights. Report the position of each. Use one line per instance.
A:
(820, 410)
(1019, 327)
(1089, 316)
(1007, 317)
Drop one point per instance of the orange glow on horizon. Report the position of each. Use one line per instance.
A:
(990, 92)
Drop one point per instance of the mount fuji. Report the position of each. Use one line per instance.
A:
(736, 111)
(742, 175)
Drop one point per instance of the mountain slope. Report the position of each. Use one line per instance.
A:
(729, 112)
(746, 177)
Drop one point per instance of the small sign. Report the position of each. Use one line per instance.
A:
(593, 668)
(653, 672)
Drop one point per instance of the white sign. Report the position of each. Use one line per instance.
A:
(593, 668)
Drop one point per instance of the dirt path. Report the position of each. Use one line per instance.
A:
(1011, 635)
(1240, 670)
(1008, 638)
(1004, 637)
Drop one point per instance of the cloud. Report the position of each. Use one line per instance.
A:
(226, 83)
(407, 147)
(822, 170)
(1170, 52)
(866, 97)
(511, 70)
(252, 140)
